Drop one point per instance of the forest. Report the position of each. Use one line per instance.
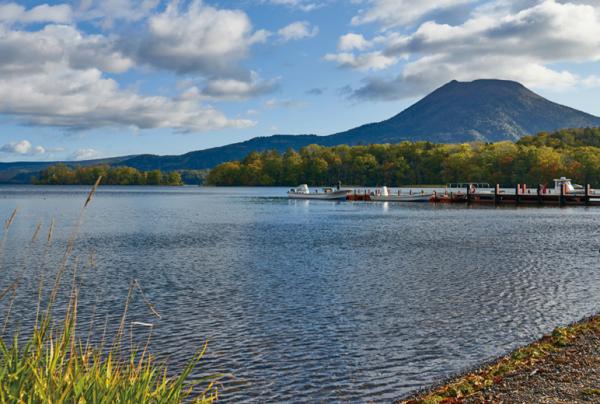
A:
(533, 160)
(62, 174)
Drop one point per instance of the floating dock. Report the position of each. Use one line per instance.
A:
(563, 194)
(521, 196)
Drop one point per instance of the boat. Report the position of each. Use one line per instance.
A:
(302, 192)
(452, 197)
(385, 196)
(564, 184)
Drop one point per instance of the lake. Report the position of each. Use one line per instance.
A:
(313, 301)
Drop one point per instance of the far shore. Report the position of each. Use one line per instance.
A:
(563, 366)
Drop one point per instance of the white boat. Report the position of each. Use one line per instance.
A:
(569, 188)
(385, 196)
(302, 192)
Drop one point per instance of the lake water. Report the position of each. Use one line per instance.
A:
(314, 301)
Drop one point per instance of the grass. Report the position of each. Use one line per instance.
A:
(591, 392)
(523, 358)
(52, 364)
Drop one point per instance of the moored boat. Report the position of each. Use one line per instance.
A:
(303, 192)
(385, 196)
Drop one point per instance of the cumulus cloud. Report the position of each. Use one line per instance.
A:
(27, 52)
(22, 147)
(199, 39)
(297, 30)
(109, 11)
(522, 45)
(365, 61)
(236, 89)
(83, 99)
(353, 41)
(11, 13)
(393, 13)
(85, 154)
(55, 77)
(304, 5)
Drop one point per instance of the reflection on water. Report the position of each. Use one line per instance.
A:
(318, 300)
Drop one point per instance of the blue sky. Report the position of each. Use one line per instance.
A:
(90, 78)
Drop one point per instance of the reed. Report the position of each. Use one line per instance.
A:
(50, 362)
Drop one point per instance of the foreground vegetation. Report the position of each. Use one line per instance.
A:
(554, 350)
(50, 363)
(532, 160)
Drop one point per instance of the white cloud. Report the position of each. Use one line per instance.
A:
(109, 11)
(365, 61)
(522, 45)
(393, 13)
(11, 13)
(235, 89)
(304, 5)
(200, 39)
(25, 52)
(297, 30)
(54, 77)
(83, 99)
(22, 147)
(353, 41)
(592, 81)
(85, 154)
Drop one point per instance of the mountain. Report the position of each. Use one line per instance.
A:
(485, 110)
(480, 110)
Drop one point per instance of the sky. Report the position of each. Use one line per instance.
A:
(100, 78)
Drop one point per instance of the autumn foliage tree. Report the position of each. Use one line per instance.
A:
(533, 160)
(62, 174)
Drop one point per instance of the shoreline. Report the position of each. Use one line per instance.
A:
(555, 367)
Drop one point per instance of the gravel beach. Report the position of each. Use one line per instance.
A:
(563, 367)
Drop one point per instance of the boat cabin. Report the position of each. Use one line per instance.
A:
(303, 189)
(300, 189)
(563, 181)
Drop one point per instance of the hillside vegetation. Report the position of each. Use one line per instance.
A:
(533, 160)
(61, 174)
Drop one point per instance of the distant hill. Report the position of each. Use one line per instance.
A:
(21, 172)
(209, 158)
(481, 110)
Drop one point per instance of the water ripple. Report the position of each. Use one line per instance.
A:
(317, 301)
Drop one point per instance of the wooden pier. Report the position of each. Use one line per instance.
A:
(521, 195)
(563, 194)
(359, 195)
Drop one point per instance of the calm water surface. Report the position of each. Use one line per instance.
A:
(315, 301)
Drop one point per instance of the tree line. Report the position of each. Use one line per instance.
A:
(62, 174)
(533, 160)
